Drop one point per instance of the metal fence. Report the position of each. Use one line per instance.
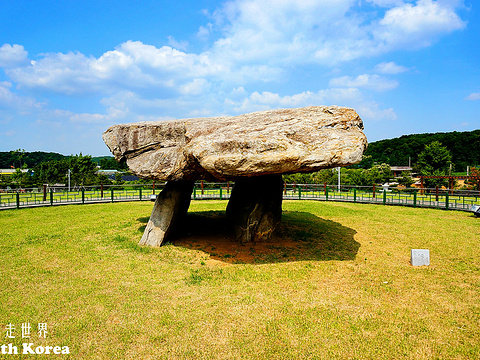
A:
(448, 199)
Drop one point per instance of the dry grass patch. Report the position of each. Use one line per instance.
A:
(336, 283)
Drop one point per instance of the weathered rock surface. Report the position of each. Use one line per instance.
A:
(252, 149)
(170, 207)
(227, 148)
(255, 207)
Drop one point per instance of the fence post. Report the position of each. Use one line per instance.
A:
(153, 188)
(384, 197)
(101, 190)
(354, 195)
(436, 193)
(44, 192)
(201, 185)
(140, 193)
(374, 191)
(111, 194)
(18, 200)
(83, 196)
(326, 192)
(51, 196)
(284, 188)
(299, 192)
(415, 198)
(194, 191)
(446, 200)
(220, 191)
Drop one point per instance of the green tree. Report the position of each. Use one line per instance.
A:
(18, 156)
(83, 170)
(328, 176)
(434, 160)
(21, 178)
(358, 177)
(51, 172)
(406, 180)
(118, 178)
(367, 177)
(380, 174)
(111, 164)
(102, 179)
(298, 178)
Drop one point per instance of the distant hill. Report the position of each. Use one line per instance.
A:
(464, 147)
(10, 158)
(31, 159)
(97, 159)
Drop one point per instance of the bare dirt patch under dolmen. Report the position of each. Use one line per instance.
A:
(300, 236)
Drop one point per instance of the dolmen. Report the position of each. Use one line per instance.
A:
(253, 150)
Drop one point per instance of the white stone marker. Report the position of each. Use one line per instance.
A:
(420, 257)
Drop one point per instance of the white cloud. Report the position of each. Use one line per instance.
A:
(390, 68)
(250, 46)
(386, 3)
(66, 73)
(473, 97)
(374, 82)
(128, 106)
(326, 32)
(414, 26)
(13, 101)
(180, 45)
(131, 65)
(372, 112)
(89, 118)
(259, 42)
(349, 97)
(204, 31)
(195, 87)
(279, 31)
(12, 55)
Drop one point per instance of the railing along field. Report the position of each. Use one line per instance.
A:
(448, 199)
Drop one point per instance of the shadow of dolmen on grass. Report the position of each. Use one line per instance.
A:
(300, 236)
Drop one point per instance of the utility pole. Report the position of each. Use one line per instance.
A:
(338, 169)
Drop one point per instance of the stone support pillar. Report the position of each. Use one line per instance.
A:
(255, 207)
(170, 207)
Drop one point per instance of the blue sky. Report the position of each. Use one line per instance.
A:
(70, 69)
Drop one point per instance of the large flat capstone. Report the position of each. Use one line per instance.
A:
(227, 148)
(252, 149)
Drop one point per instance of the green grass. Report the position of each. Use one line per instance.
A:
(337, 284)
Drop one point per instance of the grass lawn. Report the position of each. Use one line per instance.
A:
(335, 284)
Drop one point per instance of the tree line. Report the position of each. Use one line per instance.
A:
(28, 160)
(434, 159)
(464, 148)
(81, 169)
